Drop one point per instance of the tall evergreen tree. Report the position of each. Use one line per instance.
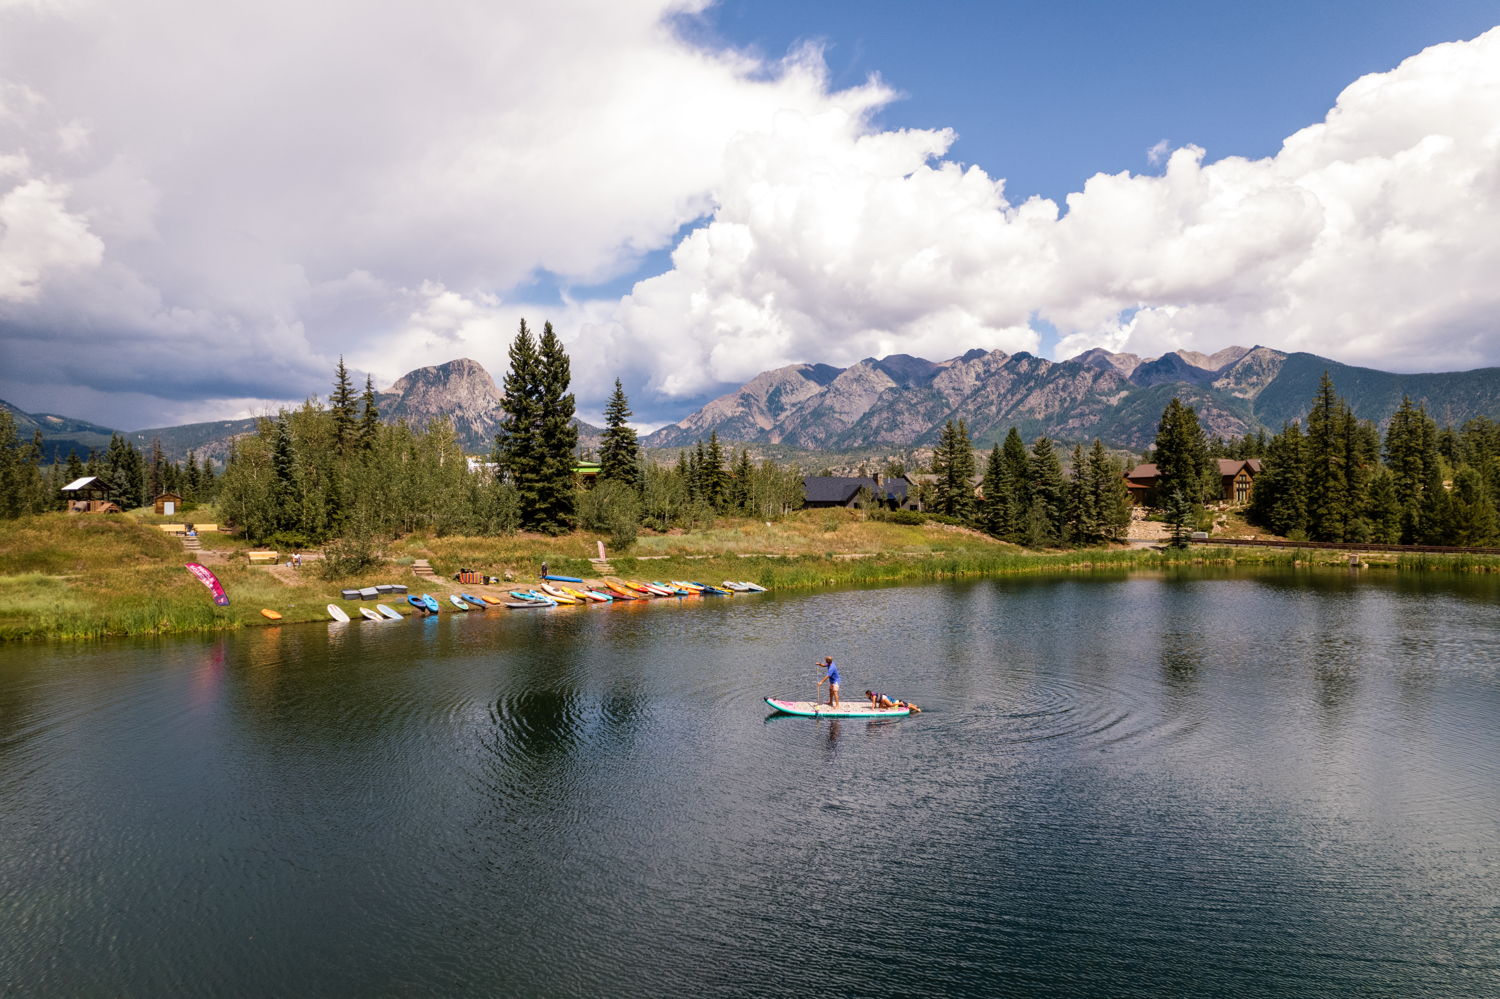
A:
(369, 420)
(557, 437)
(1473, 512)
(619, 452)
(1105, 481)
(342, 405)
(953, 464)
(992, 510)
(1330, 499)
(285, 513)
(1015, 484)
(1411, 452)
(1046, 515)
(1182, 461)
(714, 476)
(1279, 500)
(1382, 507)
(517, 441)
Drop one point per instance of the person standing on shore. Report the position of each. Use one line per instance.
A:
(832, 679)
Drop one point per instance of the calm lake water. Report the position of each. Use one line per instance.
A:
(1205, 784)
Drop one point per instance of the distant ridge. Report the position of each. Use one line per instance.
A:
(904, 401)
(461, 390)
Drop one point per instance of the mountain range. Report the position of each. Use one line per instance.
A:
(461, 390)
(902, 401)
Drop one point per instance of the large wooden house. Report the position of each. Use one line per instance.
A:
(1236, 479)
(894, 492)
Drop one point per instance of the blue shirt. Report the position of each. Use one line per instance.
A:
(833, 672)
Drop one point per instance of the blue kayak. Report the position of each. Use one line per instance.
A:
(430, 603)
(416, 602)
(564, 579)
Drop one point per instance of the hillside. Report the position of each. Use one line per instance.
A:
(902, 401)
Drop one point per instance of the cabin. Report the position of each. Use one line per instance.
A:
(88, 495)
(168, 504)
(823, 491)
(1236, 480)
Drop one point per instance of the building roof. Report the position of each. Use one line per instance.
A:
(835, 488)
(1228, 468)
(83, 483)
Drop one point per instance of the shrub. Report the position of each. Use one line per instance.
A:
(612, 508)
(347, 556)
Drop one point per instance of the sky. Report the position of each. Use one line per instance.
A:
(204, 206)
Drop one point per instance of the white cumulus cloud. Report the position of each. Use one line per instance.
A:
(209, 201)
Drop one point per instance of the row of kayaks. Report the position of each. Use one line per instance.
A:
(339, 614)
(553, 595)
(611, 590)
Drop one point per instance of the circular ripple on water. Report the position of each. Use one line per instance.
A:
(1067, 712)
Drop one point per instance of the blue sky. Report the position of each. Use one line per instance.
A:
(694, 198)
(1046, 95)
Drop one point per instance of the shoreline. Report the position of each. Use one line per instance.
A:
(183, 609)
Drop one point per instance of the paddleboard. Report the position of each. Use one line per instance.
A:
(370, 615)
(337, 613)
(267, 612)
(388, 612)
(564, 579)
(852, 709)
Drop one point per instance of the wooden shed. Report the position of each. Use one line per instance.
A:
(168, 504)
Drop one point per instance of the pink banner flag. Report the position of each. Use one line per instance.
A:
(211, 581)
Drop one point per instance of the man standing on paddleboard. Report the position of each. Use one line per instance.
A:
(832, 679)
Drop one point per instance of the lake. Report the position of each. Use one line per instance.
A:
(1205, 783)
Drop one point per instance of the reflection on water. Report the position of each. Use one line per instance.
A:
(1197, 783)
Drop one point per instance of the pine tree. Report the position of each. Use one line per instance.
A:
(619, 452)
(1411, 452)
(1279, 500)
(156, 470)
(993, 510)
(715, 478)
(1082, 521)
(517, 441)
(1382, 509)
(1473, 512)
(1182, 461)
(953, 464)
(741, 483)
(557, 437)
(369, 421)
(284, 513)
(1044, 473)
(1111, 498)
(76, 468)
(342, 405)
(1015, 485)
(1329, 497)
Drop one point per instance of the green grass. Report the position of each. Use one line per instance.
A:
(71, 577)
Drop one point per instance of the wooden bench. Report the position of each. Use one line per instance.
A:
(256, 557)
(172, 528)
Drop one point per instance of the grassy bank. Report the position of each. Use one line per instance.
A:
(90, 577)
